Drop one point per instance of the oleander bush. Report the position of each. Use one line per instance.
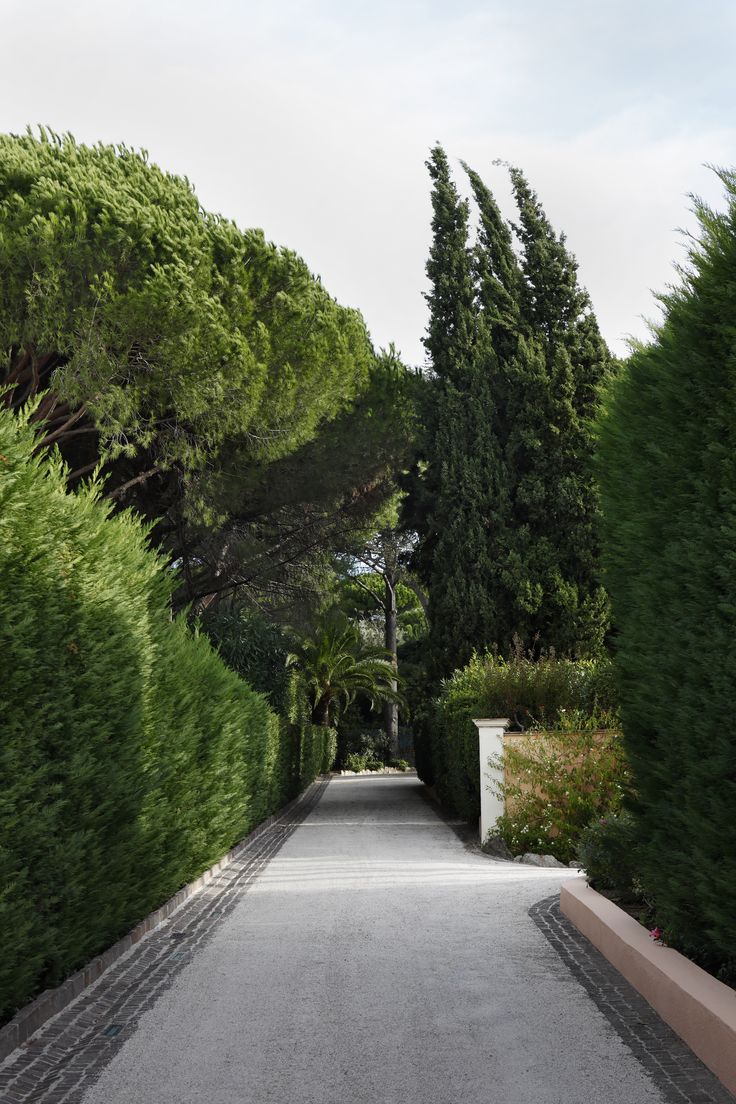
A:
(131, 756)
(556, 784)
(532, 693)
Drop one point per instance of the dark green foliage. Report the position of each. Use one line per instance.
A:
(550, 443)
(506, 509)
(131, 757)
(336, 667)
(668, 488)
(608, 849)
(287, 518)
(543, 694)
(255, 648)
(463, 496)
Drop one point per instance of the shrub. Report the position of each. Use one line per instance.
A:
(356, 763)
(667, 473)
(556, 783)
(131, 757)
(255, 649)
(608, 851)
(399, 764)
(319, 747)
(530, 692)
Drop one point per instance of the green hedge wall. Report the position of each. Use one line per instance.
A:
(667, 474)
(131, 758)
(534, 693)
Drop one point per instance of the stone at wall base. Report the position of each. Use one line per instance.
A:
(495, 846)
(530, 859)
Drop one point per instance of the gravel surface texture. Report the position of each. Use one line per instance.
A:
(377, 958)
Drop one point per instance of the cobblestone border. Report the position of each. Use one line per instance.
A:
(678, 1074)
(60, 1062)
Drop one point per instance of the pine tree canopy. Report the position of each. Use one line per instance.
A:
(164, 343)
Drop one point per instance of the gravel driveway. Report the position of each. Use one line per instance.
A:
(378, 958)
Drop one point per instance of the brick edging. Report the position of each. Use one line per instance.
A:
(52, 1001)
(698, 1007)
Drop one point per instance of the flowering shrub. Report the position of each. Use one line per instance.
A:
(546, 693)
(555, 784)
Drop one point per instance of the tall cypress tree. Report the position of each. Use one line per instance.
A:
(508, 545)
(558, 497)
(455, 554)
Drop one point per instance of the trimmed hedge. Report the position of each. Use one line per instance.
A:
(667, 473)
(536, 694)
(131, 758)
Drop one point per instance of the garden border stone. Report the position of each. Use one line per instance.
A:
(698, 1007)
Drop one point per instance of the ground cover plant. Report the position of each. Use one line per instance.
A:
(132, 757)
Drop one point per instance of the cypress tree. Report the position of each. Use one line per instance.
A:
(508, 545)
(561, 361)
(455, 556)
(667, 471)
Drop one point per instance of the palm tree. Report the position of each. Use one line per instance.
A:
(336, 667)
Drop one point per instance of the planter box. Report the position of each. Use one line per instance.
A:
(700, 1009)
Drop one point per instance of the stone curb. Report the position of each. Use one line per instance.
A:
(48, 1004)
(698, 1007)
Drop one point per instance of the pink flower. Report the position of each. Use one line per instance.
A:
(656, 934)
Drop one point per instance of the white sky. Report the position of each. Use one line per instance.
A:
(313, 119)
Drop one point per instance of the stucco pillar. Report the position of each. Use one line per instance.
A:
(490, 746)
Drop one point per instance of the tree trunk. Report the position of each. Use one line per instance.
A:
(391, 709)
(321, 712)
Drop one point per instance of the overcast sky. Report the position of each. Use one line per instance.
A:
(313, 120)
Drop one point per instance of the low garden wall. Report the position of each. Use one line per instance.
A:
(701, 1009)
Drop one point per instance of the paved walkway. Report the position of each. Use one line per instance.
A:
(368, 957)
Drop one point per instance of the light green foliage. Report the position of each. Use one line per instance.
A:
(556, 785)
(131, 757)
(356, 763)
(399, 764)
(667, 474)
(176, 330)
(532, 693)
(362, 598)
(191, 359)
(336, 667)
